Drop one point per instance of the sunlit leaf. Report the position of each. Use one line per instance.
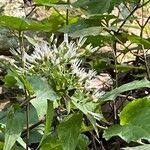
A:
(130, 110)
(22, 24)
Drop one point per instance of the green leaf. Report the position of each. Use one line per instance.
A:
(1, 145)
(14, 127)
(10, 80)
(96, 6)
(126, 68)
(13, 22)
(88, 31)
(138, 40)
(106, 17)
(16, 147)
(131, 109)
(82, 25)
(135, 118)
(21, 80)
(87, 27)
(43, 92)
(41, 88)
(88, 109)
(143, 147)
(126, 87)
(36, 134)
(21, 24)
(83, 142)
(49, 119)
(51, 142)
(133, 3)
(100, 40)
(69, 130)
(124, 11)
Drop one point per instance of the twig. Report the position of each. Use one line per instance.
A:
(133, 15)
(146, 64)
(143, 26)
(59, 13)
(27, 15)
(33, 126)
(94, 142)
(67, 13)
(27, 100)
(137, 7)
(127, 97)
(142, 47)
(102, 146)
(115, 112)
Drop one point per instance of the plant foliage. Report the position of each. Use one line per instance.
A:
(79, 76)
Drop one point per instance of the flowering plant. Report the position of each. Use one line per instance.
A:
(62, 65)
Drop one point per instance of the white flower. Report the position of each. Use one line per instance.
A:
(29, 58)
(80, 72)
(72, 51)
(15, 52)
(97, 94)
(66, 39)
(90, 48)
(52, 38)
(81, 41)
(67, 51)
(91, 74)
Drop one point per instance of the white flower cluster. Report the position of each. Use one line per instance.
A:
(80, 72)
(90, 78)
(67, 52)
